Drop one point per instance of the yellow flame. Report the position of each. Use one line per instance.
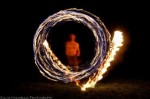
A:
(116, 43)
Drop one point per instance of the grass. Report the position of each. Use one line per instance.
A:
(120, 89)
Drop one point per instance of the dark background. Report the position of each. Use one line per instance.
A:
(21, 19)
(59, 34)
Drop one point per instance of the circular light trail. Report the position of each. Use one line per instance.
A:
(49, 64)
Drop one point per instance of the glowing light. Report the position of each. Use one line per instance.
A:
(116, 42)
(51, 67)
(45, 43)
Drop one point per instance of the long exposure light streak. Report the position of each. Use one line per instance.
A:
(116, 43)
(105, 48)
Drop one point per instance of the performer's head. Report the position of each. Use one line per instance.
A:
(72, 37)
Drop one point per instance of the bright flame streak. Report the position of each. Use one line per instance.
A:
(45, 43)
(116, 43)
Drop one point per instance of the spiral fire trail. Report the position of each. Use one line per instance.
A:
(52, 68)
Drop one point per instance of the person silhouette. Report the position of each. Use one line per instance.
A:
(72, 52)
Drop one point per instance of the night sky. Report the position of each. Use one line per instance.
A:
(23, 18)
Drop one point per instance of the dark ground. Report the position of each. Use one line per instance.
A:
(105, 89)
(128, 76)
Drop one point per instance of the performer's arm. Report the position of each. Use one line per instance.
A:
(78, 50)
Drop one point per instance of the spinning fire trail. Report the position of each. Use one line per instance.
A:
(105, 49)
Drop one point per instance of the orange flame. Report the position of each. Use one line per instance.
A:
(116, 44)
